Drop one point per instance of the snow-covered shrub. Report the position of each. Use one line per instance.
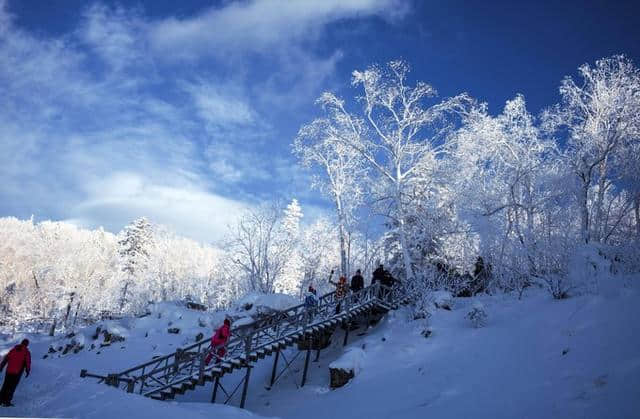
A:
(558, 285)
(443, 300)
(477, 315)
(624, 259)
(422, 307)
(587, 270)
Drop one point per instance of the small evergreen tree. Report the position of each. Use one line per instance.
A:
(133, 249)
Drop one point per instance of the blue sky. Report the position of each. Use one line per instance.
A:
(184, 111)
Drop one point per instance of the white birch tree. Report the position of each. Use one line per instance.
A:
(399, 136)
(600, 112)
(343, 172)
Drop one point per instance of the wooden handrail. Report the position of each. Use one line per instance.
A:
(244, 339)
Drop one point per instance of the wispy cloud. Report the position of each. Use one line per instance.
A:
(105, 123)
(258, 26)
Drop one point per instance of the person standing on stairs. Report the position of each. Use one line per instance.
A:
(17, 360)
(341, 291)
(219, 342)
(378, 276)
(310, 302)
(357, 282)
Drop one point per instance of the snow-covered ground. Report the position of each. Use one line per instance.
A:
(536, 358)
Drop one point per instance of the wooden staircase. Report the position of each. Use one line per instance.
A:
(165, 377)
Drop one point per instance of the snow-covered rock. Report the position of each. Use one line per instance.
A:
(256, 305)
(346, 367)
(443, 299)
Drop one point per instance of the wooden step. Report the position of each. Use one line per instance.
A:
(177, 388)
(156, 396)
(167, 394)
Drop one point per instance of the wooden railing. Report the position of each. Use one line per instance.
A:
(188, 362)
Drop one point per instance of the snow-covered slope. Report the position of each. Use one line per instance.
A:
(536, 358)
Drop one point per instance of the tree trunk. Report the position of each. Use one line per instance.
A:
(349, 253)
(341, 233)
(124, 295)
(52, 331)
(602, 183)
(530, 238)
(637, 213)
(584, 211)
(66, 316)
(75, 316)
(408, 268)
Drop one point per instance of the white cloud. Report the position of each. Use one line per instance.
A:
(102, 124)
(116, 34)
(117, 199)
(221, 105)
(259, 25)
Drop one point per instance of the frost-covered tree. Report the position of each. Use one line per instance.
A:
(291, 222)
(290, 280)
(503, 168)
(400, 136)
(342, 170)
(133, 249)
(54, 273)
(319, 253)
(600, 112)
(260, 246)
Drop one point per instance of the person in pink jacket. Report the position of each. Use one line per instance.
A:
(219, 342)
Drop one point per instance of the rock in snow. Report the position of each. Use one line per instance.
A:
(346, 367)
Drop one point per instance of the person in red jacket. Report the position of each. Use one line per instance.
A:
(17, 360)
(219, 342)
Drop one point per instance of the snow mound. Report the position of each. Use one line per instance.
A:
(443, 299)
(256, 305)
(589, 271)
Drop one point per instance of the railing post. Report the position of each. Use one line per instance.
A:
(130, 385)
(215, 389)
(177, 358)
(201, 368)
(112, 380)
(346, 333)
(142, 380)
(306, 361)
(245, 387)
(275, 367)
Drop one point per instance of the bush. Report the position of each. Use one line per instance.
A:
(477, 315)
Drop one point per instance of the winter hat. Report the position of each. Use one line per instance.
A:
(311, 288)
(227, 321)
(25, 342)
(358, 271)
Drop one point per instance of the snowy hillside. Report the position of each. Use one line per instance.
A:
(537, 357)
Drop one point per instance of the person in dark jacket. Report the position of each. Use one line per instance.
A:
(17, 360)
(388, 280)
(378, 275)
(357, 282)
